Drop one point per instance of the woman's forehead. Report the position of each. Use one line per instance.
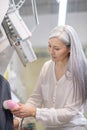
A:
(56, 41)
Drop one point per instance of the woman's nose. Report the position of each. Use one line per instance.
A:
(51, 50)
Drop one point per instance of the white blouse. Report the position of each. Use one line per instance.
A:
(57, 104)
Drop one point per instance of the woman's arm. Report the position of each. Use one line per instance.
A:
(61, 116)
(52, 116)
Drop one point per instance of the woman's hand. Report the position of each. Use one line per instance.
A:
(24, 110)
(16, 123)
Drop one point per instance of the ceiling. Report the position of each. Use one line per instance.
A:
(51, 6)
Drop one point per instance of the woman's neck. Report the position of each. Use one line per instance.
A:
(60, 69)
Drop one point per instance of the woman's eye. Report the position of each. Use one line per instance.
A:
(49, 46)
(56, 49)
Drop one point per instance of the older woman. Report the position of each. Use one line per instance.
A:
(61, 91)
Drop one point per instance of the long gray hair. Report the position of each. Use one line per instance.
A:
(77, 59)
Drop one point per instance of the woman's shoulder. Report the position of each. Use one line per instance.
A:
(48, 63)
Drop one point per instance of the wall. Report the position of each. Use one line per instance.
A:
(47, 22)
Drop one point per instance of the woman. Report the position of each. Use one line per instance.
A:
(61, 91)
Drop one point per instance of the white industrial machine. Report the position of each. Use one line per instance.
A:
(14, 34)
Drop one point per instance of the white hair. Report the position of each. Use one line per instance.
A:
(77, 59)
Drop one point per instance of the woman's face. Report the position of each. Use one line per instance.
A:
(58, 50)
